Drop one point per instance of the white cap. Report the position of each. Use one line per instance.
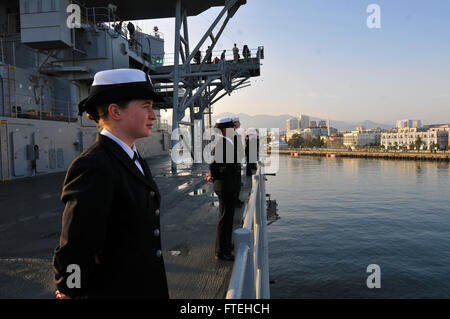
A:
(223, 120)
(118, 85)
(119, 76)
(235, 119)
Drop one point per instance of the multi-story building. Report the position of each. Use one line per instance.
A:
(303, 121)
(312, 124)
(441, 127)
(292, 124)
(361, 138)
(307, 131)
(314, 131)
(409, 123)
(291, 133)
(333, 141)
(322, 124)
(408, 137)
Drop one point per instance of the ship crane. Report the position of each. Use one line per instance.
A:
(187, 85)
(46, 68)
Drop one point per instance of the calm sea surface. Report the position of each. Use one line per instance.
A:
(340, 215)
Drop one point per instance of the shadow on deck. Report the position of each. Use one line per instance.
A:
(188, 226)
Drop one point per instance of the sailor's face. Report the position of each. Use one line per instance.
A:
(139, 117)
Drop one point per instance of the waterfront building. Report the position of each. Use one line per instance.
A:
(314, 131)
(350, 139)
(362, 138)
(291, 133)
(441, 127)
(333, 141)
(278, 144)
(312, 124)
(408, 136)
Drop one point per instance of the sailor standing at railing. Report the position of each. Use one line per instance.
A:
(235, 53)
(251, 151)
(223, 175)
(238, 156)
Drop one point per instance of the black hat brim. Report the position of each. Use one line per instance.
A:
(221, 126)
(102, 94)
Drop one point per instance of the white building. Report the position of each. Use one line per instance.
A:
(278, 144)
(314, 131)
(408, 136)
(291, 133)
(361, 138)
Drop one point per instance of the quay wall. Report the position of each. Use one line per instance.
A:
(416, 156)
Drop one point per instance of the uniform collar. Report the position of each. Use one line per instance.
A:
(117, 151)
(122, 144)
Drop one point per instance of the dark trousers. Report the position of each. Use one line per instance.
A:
(225, 222)
(238, 183)
(250, 168)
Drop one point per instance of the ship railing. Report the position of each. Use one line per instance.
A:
(254, 56)
(250, 276)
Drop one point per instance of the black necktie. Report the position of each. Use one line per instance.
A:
(140, 160)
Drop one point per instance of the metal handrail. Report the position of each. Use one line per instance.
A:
(250, 276)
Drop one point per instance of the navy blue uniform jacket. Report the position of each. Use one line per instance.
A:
(110, 227)
(223, 169)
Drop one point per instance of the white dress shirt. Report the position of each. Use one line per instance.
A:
(125, 147)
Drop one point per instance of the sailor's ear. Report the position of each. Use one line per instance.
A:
(114, 111)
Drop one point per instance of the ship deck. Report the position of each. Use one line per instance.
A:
(30, 223)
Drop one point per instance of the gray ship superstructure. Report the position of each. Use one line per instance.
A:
(51, 49)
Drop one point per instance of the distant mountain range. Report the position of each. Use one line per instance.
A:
(272, 121)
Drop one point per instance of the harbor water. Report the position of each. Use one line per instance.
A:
(338, 216)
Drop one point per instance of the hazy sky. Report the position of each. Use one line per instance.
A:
(322, 60)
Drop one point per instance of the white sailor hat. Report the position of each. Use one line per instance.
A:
(118, 85)
(224, 122)
(235, 119)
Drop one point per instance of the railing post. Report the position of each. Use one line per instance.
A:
(250, 278)
(265, 284)
(238, 285)
(257, 236)
(248, 290)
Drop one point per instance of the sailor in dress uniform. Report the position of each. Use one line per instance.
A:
(238, 156)
(223, 175)
(111, 220)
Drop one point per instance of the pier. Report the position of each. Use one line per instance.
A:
(30, 226)
(415, 156)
